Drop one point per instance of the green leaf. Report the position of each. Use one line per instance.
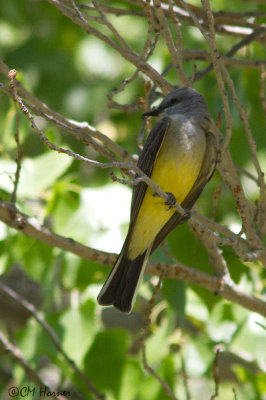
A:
(132, 378)
(157, 345)
(196, 308)
(175, 294)
(198, 354)
(168, 374)
(149, 389)
(188, 249)
(105, 362)
(90, 272)
(38, 173)
(93, 221)
(78, 326)
(236, 267)
(7, 175)
(251, 336)
(219, 327)
(36, 257)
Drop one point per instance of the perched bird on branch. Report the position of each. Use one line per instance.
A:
(180, 157)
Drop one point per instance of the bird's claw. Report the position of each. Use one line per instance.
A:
(185, 216)
(171, 201)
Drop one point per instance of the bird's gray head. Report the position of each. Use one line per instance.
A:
(184, 100)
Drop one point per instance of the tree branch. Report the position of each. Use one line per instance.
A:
(19, 149)
(32, 228)
(16, 355)
(131, 56)
(227, 23)
(81, 130)
(51, 333)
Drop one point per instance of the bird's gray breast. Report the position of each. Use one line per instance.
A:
(185, 135)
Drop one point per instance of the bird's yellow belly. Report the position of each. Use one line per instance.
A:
(174, 172)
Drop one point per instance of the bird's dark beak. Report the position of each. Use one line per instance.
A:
(152, 113)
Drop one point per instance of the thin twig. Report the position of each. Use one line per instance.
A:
(243, 206)
(247, 173)
(216, 196)
(122, 166)
(70, 153)
(110, 26)
(16, 355)
(215, 373)
(234, 390)
(211, 40)
(229, 290)
(32, 228)
(51, 333)
(244, 42)
(113, 10)
(175, 51)
(252, 145)
(152, 372)
(131, 56)
(261, 325)
(222, 18)
(128, 108)
(263, 89)
(152, 301)
(215, 254)
(144, 336)
(148, 49)
(236, 242)
(11, 76)
(232, 24)
(82, 130)
(185, 378)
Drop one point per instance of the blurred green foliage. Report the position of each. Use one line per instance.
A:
(73, 72)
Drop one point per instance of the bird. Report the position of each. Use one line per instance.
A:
(179, 155)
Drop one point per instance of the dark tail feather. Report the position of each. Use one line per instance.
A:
(121, 286)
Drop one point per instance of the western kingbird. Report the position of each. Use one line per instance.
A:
(180, 156)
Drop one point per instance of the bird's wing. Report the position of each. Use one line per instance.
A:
(205, 174)
(146, 163)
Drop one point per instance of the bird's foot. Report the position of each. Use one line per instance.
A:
(171, 200)
(185, 216)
